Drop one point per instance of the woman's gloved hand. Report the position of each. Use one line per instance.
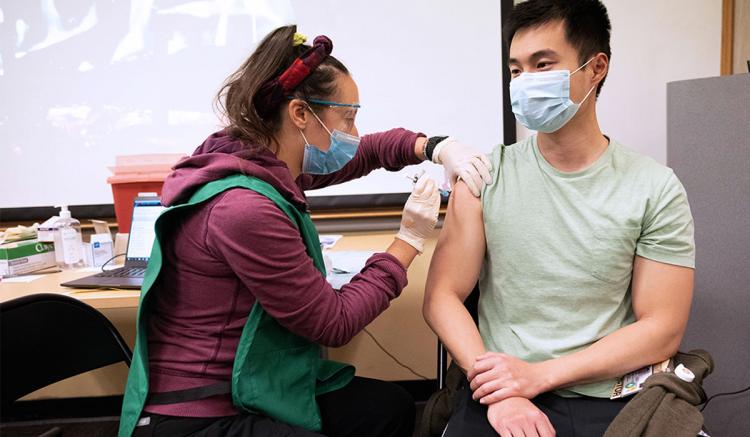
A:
(465, 162)
(420, 213)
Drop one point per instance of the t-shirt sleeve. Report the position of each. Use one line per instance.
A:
(496, 158)
(667, 234)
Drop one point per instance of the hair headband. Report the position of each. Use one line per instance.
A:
(275, 91)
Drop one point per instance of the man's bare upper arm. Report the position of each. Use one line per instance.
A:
(461, 246)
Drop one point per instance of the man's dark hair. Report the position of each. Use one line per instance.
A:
(586, 22)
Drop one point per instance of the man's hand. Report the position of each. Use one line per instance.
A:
(518, 417)
(496, 376)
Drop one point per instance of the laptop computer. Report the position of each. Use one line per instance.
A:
(145, 211)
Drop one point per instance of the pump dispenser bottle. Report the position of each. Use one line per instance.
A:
(68, 241)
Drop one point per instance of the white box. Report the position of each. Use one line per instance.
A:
(46, 231)
(98, 251)
(26, 256)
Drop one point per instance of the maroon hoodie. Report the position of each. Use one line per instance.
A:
(239, 247)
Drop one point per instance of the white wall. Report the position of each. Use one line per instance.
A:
(654, 42)
(71, 101)
(85, 80)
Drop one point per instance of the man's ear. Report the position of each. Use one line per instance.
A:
(600, 67)
(298, 113)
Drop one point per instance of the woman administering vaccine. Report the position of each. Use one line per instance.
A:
(235, 304)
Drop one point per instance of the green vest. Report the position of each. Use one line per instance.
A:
(276, 373)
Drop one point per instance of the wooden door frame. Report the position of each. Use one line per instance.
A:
(727, 37)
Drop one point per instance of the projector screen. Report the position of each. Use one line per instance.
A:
(83, 81)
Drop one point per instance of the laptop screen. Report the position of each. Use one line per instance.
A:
(145, 212)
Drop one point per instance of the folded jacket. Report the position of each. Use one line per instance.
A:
(666, 406)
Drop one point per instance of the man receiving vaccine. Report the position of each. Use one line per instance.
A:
(583, 249)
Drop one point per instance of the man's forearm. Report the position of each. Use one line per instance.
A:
(451, 321)
(629, 348)
(655, 336)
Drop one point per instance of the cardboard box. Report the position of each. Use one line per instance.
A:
(26, 256)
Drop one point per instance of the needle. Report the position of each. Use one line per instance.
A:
(443, 191)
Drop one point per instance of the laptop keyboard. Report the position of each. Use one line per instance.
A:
(125, 272)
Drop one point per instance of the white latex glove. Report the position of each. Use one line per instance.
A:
(420, 213)
(465, 162)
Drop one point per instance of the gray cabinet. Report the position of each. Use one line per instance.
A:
(708, 146)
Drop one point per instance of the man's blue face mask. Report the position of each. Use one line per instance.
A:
(340, 151)
(541, 101)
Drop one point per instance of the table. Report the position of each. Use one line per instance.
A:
(400, 328)
(100, 299)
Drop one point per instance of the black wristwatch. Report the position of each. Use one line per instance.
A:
(430, 147)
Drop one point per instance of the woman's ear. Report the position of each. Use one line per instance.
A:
(298, 114)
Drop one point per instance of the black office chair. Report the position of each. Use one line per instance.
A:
(472, 304)
(45, 338)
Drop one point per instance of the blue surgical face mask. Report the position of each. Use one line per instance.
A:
(541, 101)
(341, 150)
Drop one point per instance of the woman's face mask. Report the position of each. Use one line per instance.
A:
(341, 150)
(541, 101)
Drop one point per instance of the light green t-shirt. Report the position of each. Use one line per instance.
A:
(560, 249)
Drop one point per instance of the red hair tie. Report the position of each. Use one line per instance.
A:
(275, 91)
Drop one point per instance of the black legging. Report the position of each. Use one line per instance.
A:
(365, 407)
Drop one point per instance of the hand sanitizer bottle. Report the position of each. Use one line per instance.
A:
(68, 241)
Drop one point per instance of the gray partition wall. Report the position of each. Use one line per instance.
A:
(708, 146)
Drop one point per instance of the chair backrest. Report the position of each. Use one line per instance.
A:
(472, 305)
(45, 338)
